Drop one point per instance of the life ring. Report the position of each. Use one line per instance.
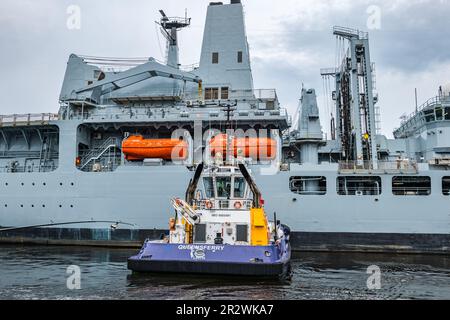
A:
(237, 205)
(209, 205)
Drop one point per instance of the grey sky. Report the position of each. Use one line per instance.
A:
(290, 41)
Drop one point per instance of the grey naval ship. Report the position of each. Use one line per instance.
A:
(67, 179)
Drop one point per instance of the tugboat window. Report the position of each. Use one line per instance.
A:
(411, 186)
(239, 187)
(223, 185)
(446, 186)
(209, 187)
(359, 186)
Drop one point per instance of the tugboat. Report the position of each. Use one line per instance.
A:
(220, 228)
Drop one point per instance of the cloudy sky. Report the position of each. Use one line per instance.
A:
(290, 41)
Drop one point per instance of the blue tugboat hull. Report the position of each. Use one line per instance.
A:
(258, 261)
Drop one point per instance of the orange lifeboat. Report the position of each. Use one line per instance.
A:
(247, 147)
(137, 148)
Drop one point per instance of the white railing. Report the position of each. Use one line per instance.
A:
(349, 32)
(27, 118)
(146, 114)
(429, 103)
(400, 166)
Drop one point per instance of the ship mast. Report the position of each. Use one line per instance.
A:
(169, 28)
(229, 109)
(355, 99)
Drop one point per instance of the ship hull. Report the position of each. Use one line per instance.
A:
(300, 241)
(228, 260)
(140, 196)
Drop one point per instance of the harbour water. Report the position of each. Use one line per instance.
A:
(35, 272)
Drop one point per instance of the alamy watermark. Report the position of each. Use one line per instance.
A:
(73, 21)
(374, 280)
(374, 19)
(73, 281)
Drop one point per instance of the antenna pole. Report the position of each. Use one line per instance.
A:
(417, 107)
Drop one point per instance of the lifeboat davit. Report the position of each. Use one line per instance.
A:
(247, 147)
(137, 148)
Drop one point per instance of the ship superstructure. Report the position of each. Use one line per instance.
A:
(356, 191)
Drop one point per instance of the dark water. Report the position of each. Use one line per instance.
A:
(40, 273)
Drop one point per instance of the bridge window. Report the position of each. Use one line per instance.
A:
(211, 93)
(223, 185)
(308, 185)
(439, 114)
(224, 93)
(429, 115)
(446, 186)
(447, 113)
(209, 187)
(239, 187)
(359, 186)
(411, 186)
(215, 57)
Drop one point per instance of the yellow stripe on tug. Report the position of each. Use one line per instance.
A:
(259, 227)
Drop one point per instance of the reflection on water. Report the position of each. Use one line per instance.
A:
(40, 273)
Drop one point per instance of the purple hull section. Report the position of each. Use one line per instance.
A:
(272, 260)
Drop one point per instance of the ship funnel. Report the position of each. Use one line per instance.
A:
(225, 57)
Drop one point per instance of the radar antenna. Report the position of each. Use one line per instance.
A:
(169, 28)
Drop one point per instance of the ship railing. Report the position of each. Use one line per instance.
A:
(350, 32)
(190, 67)
(27, 119)
(260, 95)
(400, 166)
(110, 64)
(149, 114)
(28, 168)
(406, 120)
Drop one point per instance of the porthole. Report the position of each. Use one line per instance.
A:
(6, 184)
(72, 184)
(22, 184)
(61, 184)
(60, 206)
(43, 206)
(21, 205)
(6, 206)
(44, 184)
(32, 205)
(71, 205)
(33, 184)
